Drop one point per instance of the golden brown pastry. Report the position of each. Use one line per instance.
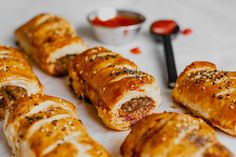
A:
(121, 93)
(172, 135)
(16, 78)
(46, 126)
(209, 93)
(51, 41)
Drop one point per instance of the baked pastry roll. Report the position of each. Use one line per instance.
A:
(172, 135)
(51, 41)
(46, 126)
(16, 78)
(209, 93)
(121, 93)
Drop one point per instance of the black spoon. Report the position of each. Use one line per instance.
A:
(163, 31)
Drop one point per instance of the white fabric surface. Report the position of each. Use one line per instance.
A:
(214, 28)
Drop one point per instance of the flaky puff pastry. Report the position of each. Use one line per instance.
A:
(209, 93)
(121, 93)
(46, 126)
(16, 78)
(172, 135)
(51, 41)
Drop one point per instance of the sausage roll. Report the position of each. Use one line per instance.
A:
(209, 93)
(51, 41)
(172, 135)
(121, 93)
(46, 126)
(16, 78)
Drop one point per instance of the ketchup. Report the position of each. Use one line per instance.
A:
(119, 20)
(164, 27)
(135, 50)
(186, 31)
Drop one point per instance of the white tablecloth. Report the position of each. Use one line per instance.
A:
(214, 27)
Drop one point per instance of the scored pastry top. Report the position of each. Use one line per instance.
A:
(209, 93)
(43, 125)
(110, 74)
(15, 71)
(121, 92)
(48, 38)
(172, 134)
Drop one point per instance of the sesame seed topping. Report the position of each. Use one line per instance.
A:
(220, 97)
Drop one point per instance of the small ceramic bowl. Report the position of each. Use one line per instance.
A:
(118, 35)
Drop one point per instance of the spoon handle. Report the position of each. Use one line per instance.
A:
(170, 61)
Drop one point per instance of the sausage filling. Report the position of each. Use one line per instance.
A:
(136, 108)
(62, 63)
(8, 96)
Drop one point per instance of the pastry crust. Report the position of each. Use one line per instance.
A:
(209, 93)
(16, 78)
(46, 126)
(121, 93)
(172, 135)
(48, 38)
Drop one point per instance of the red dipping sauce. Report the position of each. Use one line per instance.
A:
(135, 50)
(164, 27)
(186, 31)
(119, 20)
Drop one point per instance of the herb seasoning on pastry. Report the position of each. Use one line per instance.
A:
(121, 93)
(46, 126)
(16, 78)
(209, 93)
(172, 135)
(51, 41)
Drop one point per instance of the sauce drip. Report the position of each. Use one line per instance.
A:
(186, 31)
(135, 50)
(119, 20)
(164, 27)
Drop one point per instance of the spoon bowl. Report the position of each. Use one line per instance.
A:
(157, 31)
